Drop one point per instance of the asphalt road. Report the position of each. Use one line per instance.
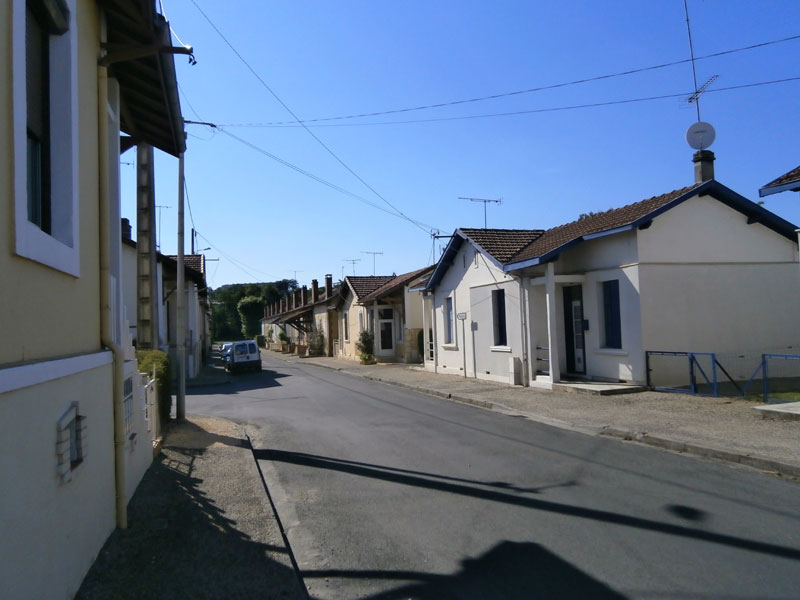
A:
(389, 494)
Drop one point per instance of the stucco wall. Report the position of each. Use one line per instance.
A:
(34, 313)
(465, 274)
(347, 349)
(50, 533)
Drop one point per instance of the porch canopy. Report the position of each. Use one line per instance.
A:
(139, 55)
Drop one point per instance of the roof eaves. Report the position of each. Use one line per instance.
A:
(446, 259)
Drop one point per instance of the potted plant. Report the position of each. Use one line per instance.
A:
(365, 346)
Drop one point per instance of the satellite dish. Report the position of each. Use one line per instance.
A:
(700, 135)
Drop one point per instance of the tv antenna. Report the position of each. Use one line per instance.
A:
(373, 258)
(353, 262)
(295, 271)
(485, 202)
(700, 135)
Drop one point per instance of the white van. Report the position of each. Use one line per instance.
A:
(243, 356)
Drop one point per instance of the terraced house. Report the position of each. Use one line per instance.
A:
(73, 75)
(698, 269)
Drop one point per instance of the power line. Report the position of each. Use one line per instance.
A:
(298, 120)
(530, 111)
(236, 263)
(325, 182)
(535, 89)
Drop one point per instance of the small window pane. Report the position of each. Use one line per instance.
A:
(611, 315)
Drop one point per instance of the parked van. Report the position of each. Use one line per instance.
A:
(243, 356)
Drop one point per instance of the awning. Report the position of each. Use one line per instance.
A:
(139, 54)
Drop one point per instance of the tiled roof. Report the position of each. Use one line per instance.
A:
(792, 176)
(363, 285)
(557, 237)
(502, 244)
(194, 261)
(394, 283)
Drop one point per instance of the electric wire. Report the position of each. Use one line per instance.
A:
(541, 88)
(236, 263)
(325, 182)
(298, 120)
(521, 112)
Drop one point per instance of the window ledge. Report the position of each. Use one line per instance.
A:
(449, 346)
(611, 351)
(500, 348)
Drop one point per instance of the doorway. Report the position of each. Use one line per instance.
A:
(573, 329)
(385, 341)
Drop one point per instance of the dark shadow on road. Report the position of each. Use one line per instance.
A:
(439, 483)
(509, 571)
(240, 382)
(180, 544)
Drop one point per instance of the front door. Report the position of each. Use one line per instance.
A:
(385, 341)
(573, 328)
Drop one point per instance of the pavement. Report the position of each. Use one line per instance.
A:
(202, 523)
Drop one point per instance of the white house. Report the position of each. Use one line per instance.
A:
(699, 269)
(72, 448)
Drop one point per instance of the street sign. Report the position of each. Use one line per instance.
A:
(461, 316)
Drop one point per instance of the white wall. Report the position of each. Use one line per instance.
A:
(469, 280)
(50, 532)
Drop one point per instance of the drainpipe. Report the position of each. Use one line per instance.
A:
(106, 327)
(524, 311)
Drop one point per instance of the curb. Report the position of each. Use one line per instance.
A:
(747, 460)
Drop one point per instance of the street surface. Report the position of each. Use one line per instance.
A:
(389, 494)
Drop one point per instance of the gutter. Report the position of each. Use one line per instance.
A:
(106, 330)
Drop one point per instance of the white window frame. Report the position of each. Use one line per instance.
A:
(346, 326)
(71, 443)
(60, 249)
(449, 321)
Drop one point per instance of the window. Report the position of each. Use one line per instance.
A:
(448, 321)
(44, 110)
(499, 317)
(612, 327)
(360, 321)
(346, 327)
(70, 443)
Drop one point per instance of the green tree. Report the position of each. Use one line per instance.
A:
(251, 311)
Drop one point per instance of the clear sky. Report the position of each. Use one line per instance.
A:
(549, 161)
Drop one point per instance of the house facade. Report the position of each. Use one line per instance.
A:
(354, 317)
(65, 421)
(472, 308)
(700, 269)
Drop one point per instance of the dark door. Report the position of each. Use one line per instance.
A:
(573, 329)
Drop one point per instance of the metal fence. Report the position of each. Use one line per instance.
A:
(772, 376)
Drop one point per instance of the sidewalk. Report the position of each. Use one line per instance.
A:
(727, 429)
(200, 525)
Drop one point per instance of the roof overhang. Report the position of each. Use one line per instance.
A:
(753, 212)
(792, 186)
(139, 55)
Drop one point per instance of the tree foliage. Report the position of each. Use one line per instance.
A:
(226, 319)
(251, 311)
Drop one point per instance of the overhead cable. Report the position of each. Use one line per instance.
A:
(298, 120)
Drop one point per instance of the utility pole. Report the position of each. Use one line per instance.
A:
(295, 271)
(373, 259)
(485, 202)
(353, 262)
(180, 312)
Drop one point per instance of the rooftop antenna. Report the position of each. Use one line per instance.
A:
(373, 258)
(700, 135)
(485, 202)
(353, 262)
(295, 271)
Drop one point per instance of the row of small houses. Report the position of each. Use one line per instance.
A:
(699, 269)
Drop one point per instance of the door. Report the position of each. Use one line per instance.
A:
(573, 329)
(385, 341)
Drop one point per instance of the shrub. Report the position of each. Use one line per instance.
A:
(261, 340)
(366, 342)
(316, 342)
(160, 360)
(283, 337)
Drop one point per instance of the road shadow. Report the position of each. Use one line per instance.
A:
(509, 571)
(484, 491)
(181, 544)
(240, 382)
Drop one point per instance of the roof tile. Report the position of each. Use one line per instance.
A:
(502, 244)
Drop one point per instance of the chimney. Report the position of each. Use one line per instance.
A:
(304, 296)
(314, 291)
(328, 286)
(703, 165)
(126, 229)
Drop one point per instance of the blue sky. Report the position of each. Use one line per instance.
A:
(264, 220)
